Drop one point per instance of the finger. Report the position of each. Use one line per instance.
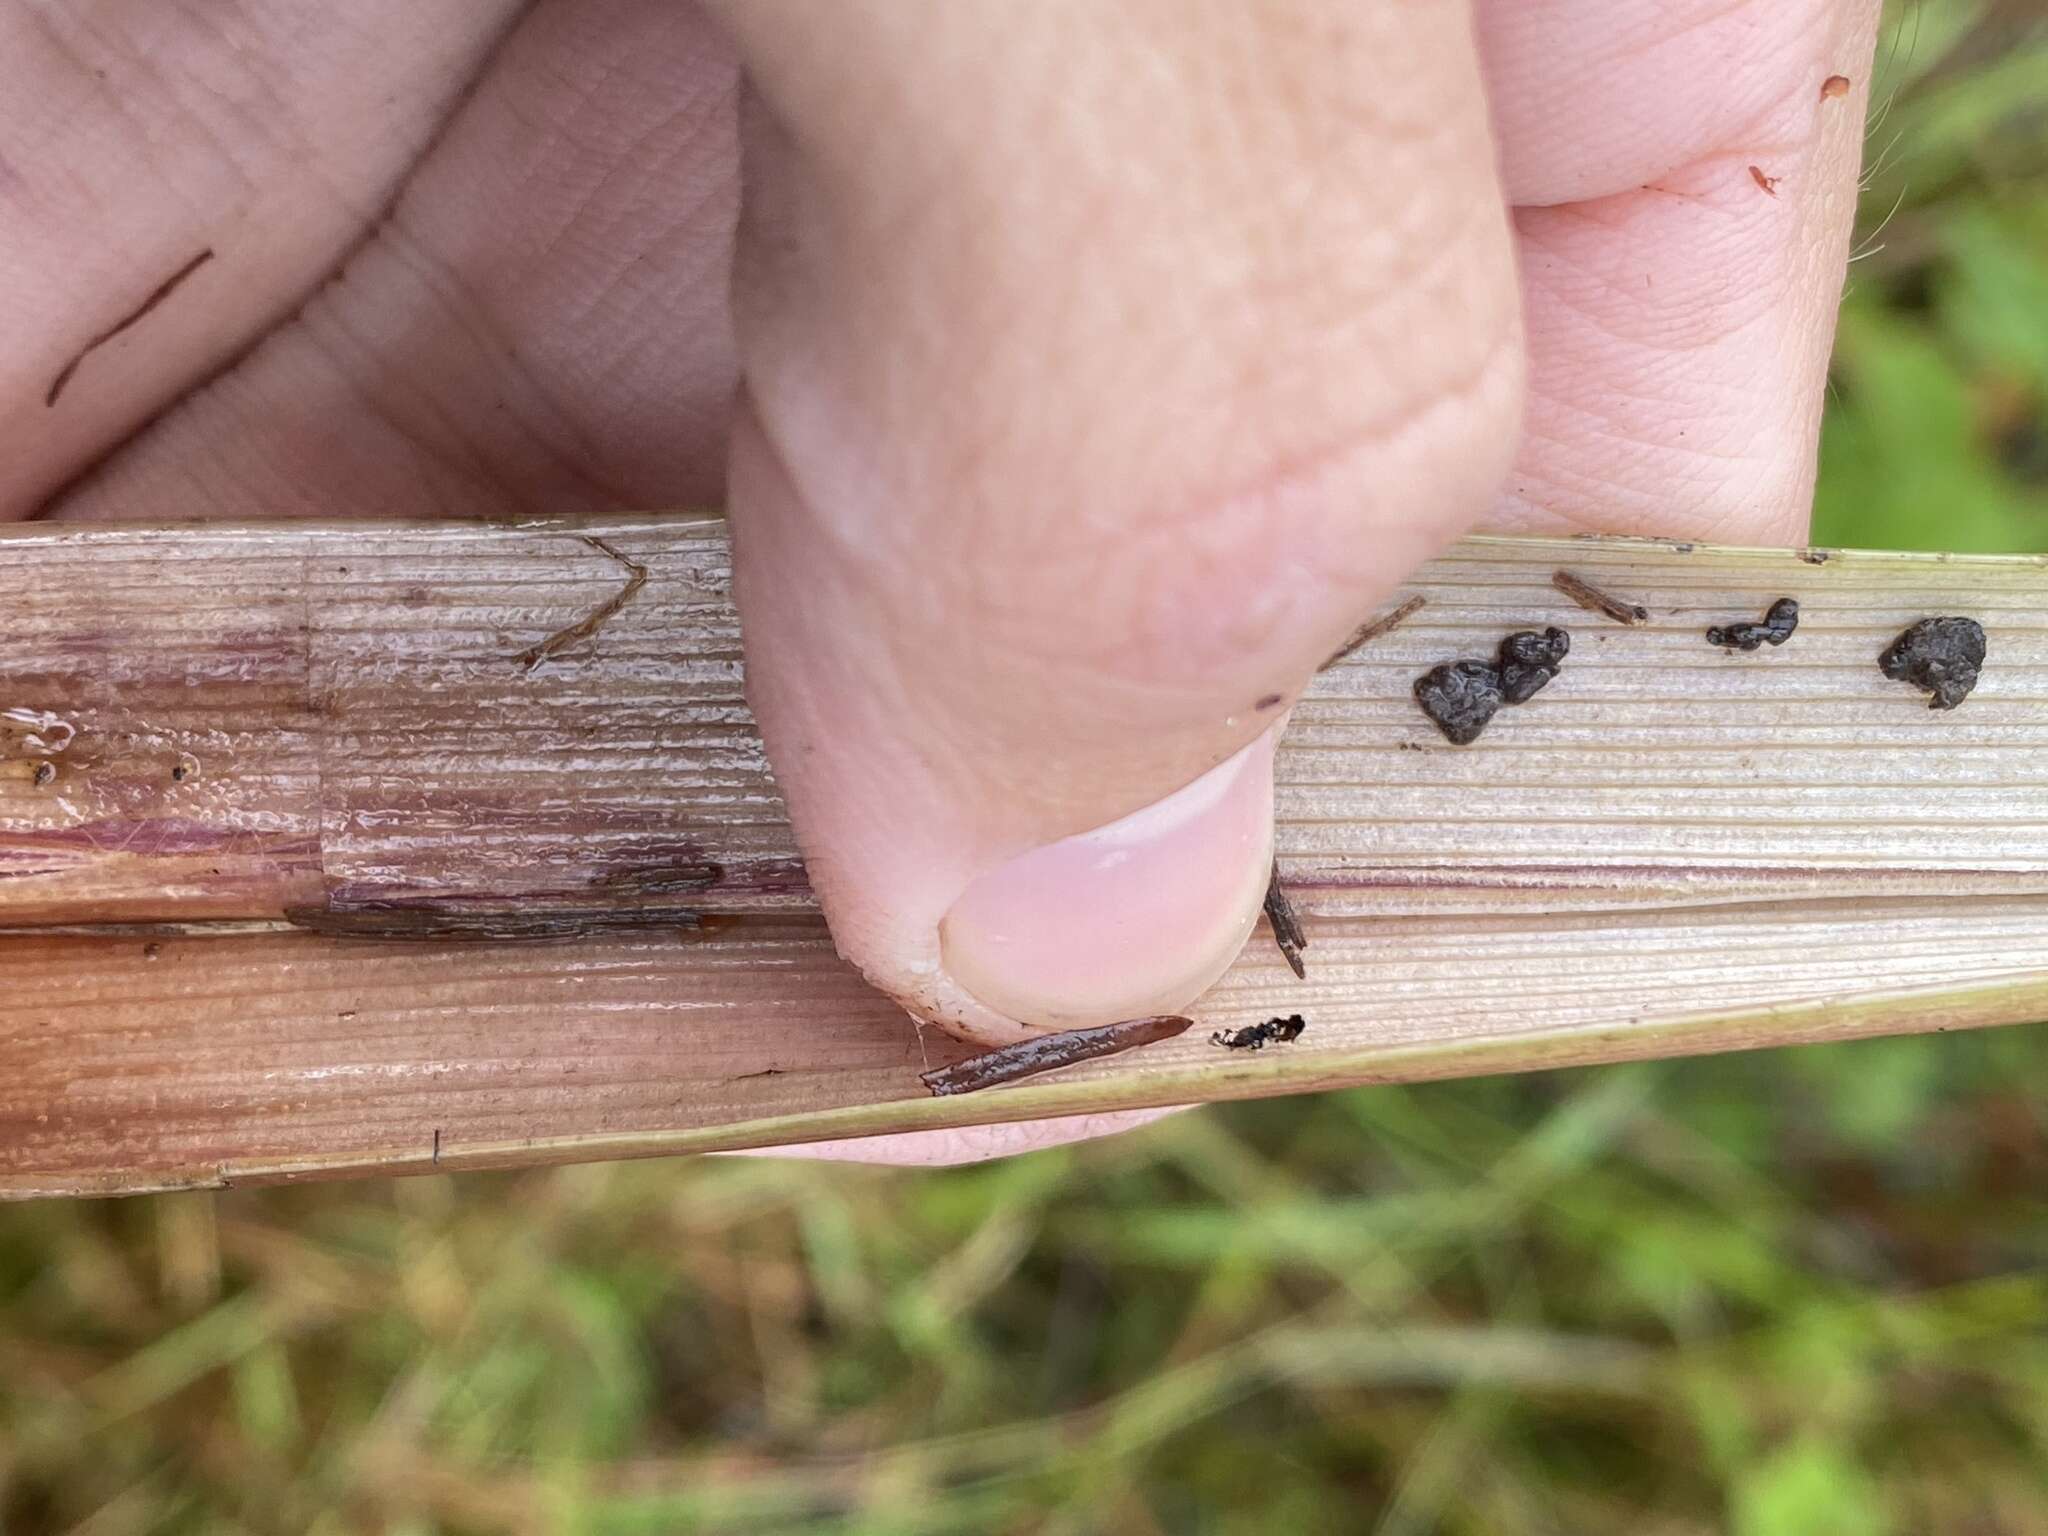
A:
(540, 325)
(136, 136)
(1686, 193)
(1104, 362)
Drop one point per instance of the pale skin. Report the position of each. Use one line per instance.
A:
(1099, 363)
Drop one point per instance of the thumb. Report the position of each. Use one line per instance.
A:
(1105, 361)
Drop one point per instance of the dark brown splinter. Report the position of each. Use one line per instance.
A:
(1045, 1053)
(1943, 657)
(163, 291)
(1256, 1037)
(598, 617)
(1372, 629)
(500, 925)
(1768, 183)
(1592, 599)
(1780, 620)
(1287, 930)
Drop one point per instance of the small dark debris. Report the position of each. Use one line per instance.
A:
(1256, 1037)
(1816, 556)
(1779, 622)
(1044, 1053)
(1461, 697)
(45, 775)
(1942, 656)
(1591, 598)
(1529, 660)
(1768, 183)
(1286, 924)
(152, 951)
(1269, 701)
(1372, 629)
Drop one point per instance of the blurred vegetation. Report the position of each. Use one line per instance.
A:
(1798, 1293)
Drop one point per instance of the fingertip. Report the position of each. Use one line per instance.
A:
(1137, 917)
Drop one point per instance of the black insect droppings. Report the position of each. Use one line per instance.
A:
(1256, 1037)
(45, 775)
(1529, 660)
(1941, 656)
(1779, 621)
(1461, 697)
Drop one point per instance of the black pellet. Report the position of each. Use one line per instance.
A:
(1779, 621)
(1528, 660)
(1943, 657)
(1460, 696)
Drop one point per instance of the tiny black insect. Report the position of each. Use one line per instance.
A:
(1255, 1037)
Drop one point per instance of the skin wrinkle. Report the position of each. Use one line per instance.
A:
(546, 418)
(1168, 519)
(1129, 650)
(1760, 69)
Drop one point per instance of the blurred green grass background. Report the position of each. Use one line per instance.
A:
(1797, 1293)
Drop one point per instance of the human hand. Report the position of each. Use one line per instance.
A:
(1102, 363)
